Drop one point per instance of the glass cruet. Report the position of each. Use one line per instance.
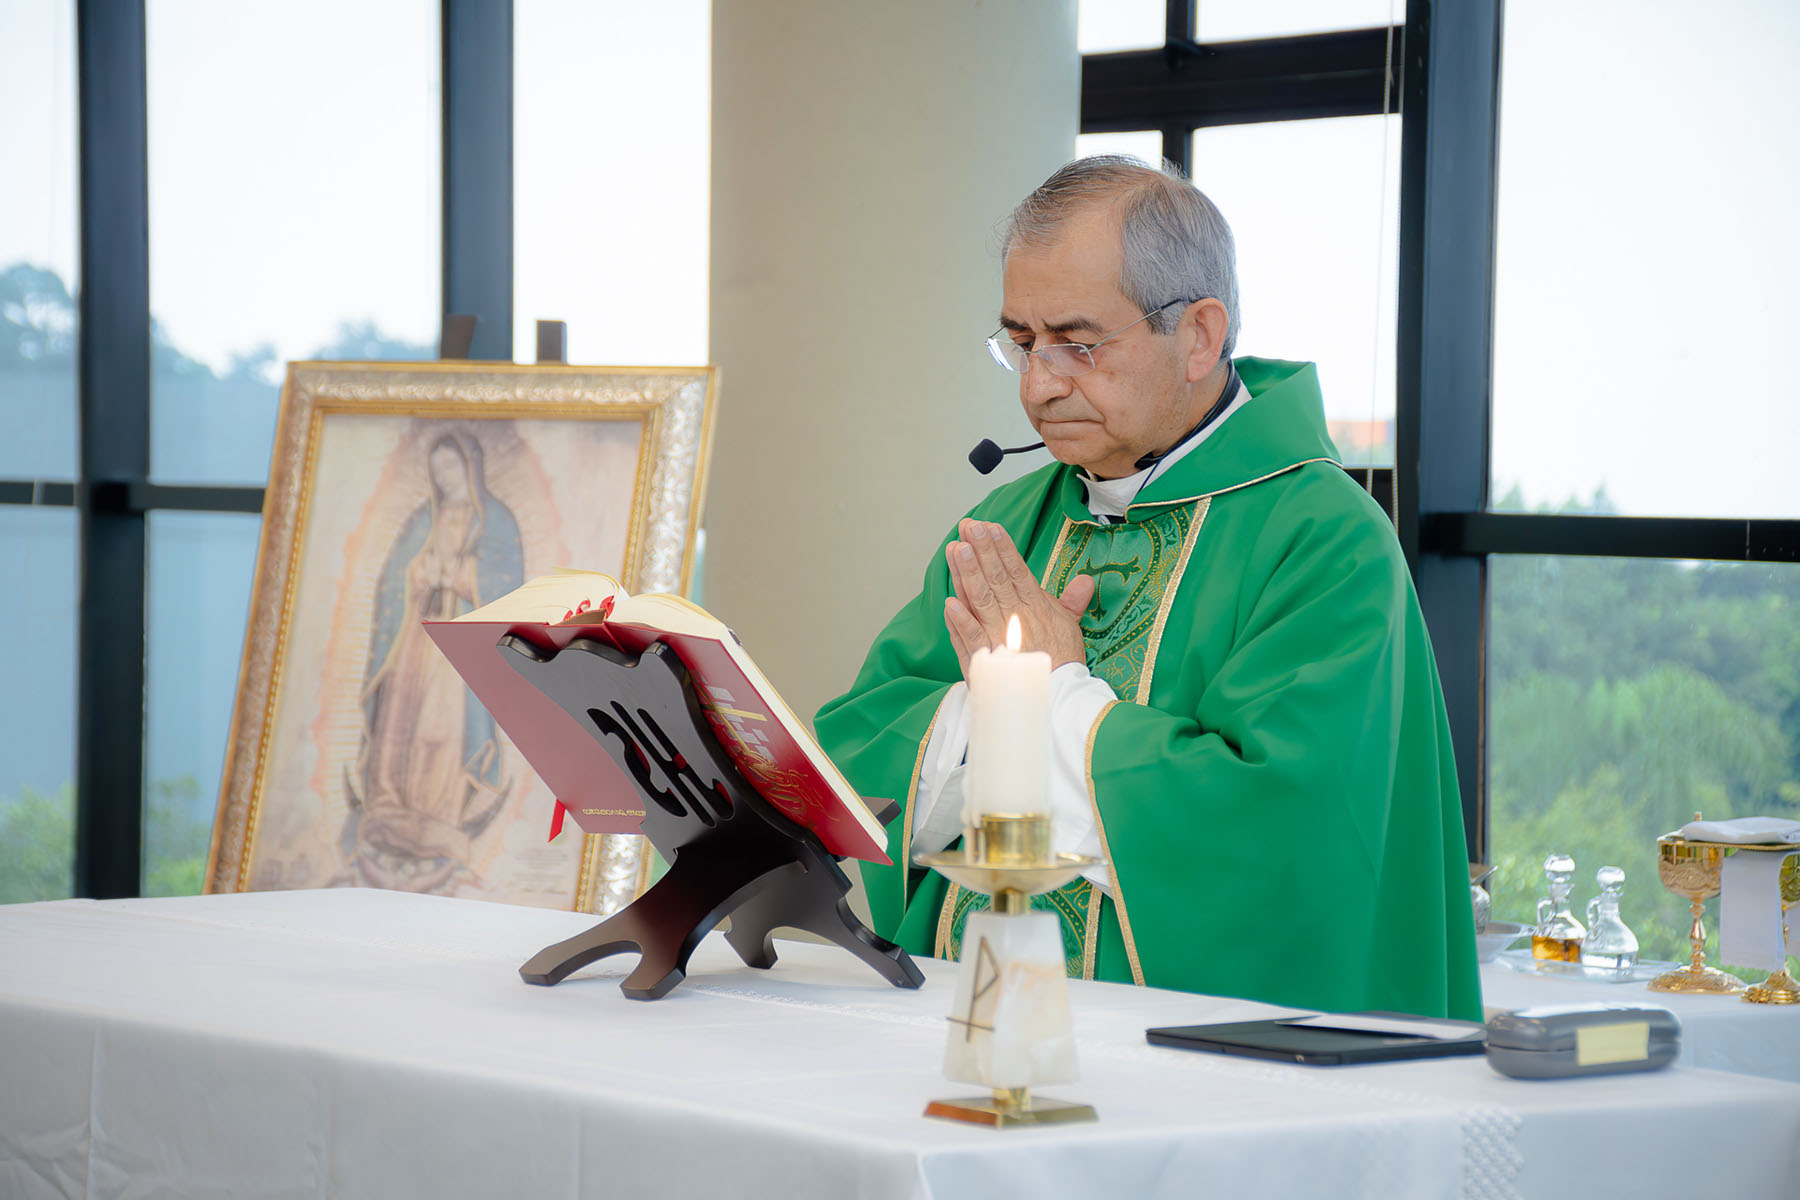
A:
(1558, 934)
(1609, 942)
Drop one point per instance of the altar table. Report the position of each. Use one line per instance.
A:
(361, 1043)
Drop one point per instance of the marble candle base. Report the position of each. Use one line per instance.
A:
(1009, 1023)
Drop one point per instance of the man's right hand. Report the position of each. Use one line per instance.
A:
(992, 583)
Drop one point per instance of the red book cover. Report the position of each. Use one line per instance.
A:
(602, 798)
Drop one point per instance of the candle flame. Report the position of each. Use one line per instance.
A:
(1013, 637)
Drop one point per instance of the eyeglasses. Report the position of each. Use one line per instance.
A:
(1061, 358)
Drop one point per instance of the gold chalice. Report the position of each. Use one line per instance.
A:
(1780, 987)
(1691, 869)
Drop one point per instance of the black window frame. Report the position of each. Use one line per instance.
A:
(1441, 71)
(112, 491)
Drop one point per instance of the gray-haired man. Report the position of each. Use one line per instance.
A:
(1246, 719)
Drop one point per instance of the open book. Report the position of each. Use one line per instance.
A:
(769, 744)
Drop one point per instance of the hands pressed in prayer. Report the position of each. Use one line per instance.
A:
(993, 583)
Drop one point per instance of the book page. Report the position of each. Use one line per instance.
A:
(549, 598)
(660, 610)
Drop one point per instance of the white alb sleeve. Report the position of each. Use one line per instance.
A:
(1077, 700)
(938, 821)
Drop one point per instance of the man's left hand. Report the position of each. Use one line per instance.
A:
(993, 583)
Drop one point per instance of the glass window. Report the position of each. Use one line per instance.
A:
(1234, 20)
(198, 592)
(37, 703)
(295, 210)
(1314, 206)
(1145, 144)
(1624, 695)
(611, 120)
(38, 240)
(1107, 25)
(1102, 26)
(1646, 244)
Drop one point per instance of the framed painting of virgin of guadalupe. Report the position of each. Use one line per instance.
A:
(405, 492)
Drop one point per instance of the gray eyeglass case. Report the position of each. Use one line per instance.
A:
(1572, 1040)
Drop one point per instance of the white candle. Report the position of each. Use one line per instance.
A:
(1009, 730)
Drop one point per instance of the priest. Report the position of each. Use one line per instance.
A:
(1247, 725)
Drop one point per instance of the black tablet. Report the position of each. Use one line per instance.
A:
(1331, 1039)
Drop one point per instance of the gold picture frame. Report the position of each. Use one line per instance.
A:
(402, 491)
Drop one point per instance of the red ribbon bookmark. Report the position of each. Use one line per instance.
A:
(556, 820)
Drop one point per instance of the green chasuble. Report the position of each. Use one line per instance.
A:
(1274, 789)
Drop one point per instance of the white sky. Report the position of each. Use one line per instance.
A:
(1646, 237)
(294, 155)
(1133, 24)
(611, 114)
(37, 135)
(1647, 247)
(1315, 281)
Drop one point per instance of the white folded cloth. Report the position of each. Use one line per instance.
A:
(1744, 831)
(1750, 916)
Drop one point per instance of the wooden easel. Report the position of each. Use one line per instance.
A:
(730, 852)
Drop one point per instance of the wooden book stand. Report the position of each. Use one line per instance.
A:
(730, 852)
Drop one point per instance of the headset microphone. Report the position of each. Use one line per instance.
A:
(987, 454)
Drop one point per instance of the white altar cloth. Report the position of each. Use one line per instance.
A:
(373, 1044)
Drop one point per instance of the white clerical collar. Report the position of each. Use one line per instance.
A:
(1109, 498)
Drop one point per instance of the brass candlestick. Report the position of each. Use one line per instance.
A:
(1780, 987)
(1008, 857)
(1691, 869)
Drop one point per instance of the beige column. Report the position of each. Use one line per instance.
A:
(862, 156)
